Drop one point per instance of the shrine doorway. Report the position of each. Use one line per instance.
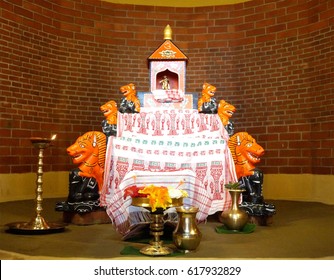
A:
(172, 80)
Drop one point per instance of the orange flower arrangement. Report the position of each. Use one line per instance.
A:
(159, 196)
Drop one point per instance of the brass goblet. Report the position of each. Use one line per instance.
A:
(38, 224)
(156, 247)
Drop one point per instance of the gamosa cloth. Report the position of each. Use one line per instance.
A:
(209, 160)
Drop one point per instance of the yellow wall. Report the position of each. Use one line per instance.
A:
(301, 187)
(23, 186)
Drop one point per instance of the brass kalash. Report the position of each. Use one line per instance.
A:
(38, 225)
(156, 247)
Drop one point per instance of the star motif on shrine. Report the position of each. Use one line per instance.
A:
(167, 54)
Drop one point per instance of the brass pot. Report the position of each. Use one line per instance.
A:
(187, 236)
(234, 218)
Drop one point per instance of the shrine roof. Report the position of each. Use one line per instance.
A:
(168, 51)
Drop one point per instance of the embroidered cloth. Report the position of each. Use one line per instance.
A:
(161, 142)
(188, 102)
(170, 123)
(209, 159)
(171, 95)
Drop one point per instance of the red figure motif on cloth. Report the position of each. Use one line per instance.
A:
(246, 153)
(89, 153)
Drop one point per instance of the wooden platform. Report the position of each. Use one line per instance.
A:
(84, 219)
(101, 217)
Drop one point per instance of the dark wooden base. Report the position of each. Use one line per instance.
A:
(261, 220)
(84, 219)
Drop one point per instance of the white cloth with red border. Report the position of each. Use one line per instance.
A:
(192, 144)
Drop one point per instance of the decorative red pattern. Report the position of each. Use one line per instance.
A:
(209, 159)
(170, 122)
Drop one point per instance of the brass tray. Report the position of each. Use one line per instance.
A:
(145, 202)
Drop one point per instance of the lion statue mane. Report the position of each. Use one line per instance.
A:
(246, 154)
(85, 181)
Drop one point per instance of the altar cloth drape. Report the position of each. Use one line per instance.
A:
(208, 159)
(162, 141)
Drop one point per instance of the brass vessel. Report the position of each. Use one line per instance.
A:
(234, 218)
(156, 247)
(145, 203)
(187, 236)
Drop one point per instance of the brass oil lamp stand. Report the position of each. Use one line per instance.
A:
(156, 246)
(38, 225)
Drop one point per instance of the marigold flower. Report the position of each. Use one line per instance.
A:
(158, 196)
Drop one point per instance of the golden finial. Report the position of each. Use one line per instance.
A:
(168, 33)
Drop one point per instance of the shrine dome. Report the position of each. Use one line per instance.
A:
(167, 62)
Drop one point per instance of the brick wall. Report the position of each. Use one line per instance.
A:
(61, 60)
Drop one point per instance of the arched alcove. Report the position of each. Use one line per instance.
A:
(173, 79)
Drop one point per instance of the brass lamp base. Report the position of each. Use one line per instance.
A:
(29, 228)
(156, 248)
(36, 226)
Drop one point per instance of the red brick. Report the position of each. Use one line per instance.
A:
(270, 59)
(289, 170)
